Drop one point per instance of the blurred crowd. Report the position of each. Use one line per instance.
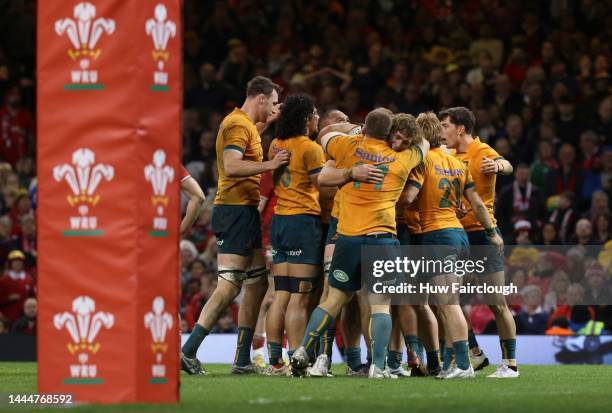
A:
(536, 75)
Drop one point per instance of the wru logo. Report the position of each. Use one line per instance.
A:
(84, 33)
(83, 324)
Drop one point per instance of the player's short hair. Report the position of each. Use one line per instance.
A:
(430, 128)
(326, 118)
(460, 116)
(378, 123)
(294, 115)
(262, 85)
(406, 125)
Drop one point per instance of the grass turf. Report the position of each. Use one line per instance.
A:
(539, 389)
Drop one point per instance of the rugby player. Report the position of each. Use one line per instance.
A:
(236, 222)
(484, 164)
(351, 320)
(440, 183)
(296, 233)
(366, 217)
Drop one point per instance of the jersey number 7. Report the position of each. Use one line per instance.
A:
(378, 186)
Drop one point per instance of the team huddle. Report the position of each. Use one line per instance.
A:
(398, 180)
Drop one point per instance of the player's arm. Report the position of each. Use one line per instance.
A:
(195, 205)
(408, 196)
(340, 129)
(413, 186)
(331, 176)
(498, 166)
(236, 167)
(482, 215)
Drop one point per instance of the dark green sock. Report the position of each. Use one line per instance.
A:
(442, 343)
(448, 358)
(508, 348)
(462, 356)
(472, 339)
(412, 343)
(394, 359)
(326, 342)
(353, 357)
(320, 320)
(243, 347)
(380, 328)
(190, 348)
(433, 359)
(275, 353)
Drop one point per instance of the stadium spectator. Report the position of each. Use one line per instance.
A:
(598, 287)
(549, 236)
(557, 294)
(564, 218)
(533, 318)
(16, 127)
(603, 228)
(27, 323)
(518, 201)
(584, 233)
(545, 161)
(7, 241)
(16, 285)
(189, 253)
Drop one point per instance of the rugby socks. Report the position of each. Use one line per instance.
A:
(326, 342)
(243, 348)
(320, 320)
(412, 343)
(353, 358)
(394, 359)
(380, 331)
(190, 348)
(508, 348)
(462, 356)
(442, 344)
(448, 358)
(472, 339)
(275, 352)
(420, 350)
(433, 359)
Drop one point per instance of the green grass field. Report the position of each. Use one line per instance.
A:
(540, 389)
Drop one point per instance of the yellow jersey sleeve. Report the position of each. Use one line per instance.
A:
(417, 176)
(469, 181)
(314, 159)
(411, 157)
(338, 145)
(236, 137)
(491, 153)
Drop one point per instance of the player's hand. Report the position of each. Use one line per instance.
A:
(498, 242)
(461, 211)
(489, 166)
(280, 159)
(368, 174)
